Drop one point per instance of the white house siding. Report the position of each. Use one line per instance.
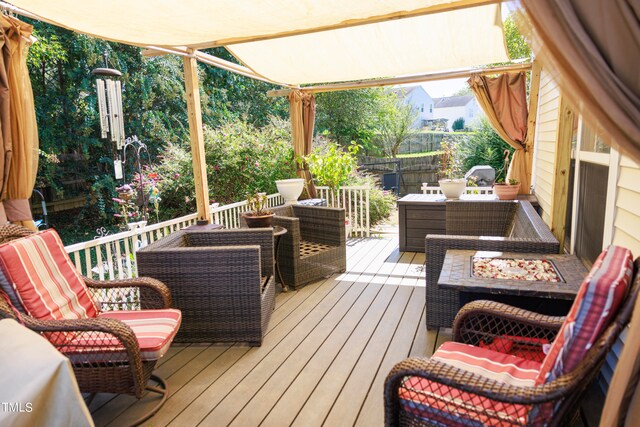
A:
(421, 102)
(626, 224)
(545, 141)
(473, 114)
(451, 114)
(470, 112)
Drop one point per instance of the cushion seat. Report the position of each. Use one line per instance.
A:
(437, 402)
(154, 330)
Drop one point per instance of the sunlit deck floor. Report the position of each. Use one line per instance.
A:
(323, 361)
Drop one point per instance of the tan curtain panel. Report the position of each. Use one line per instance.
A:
(5, 134)
(302, 110)
(592, 49)
(504, 101)
(22, 123)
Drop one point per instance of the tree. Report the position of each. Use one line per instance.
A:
(350, 115)
(516, 44)
(458, 124)
(154, 108)
(484, 147)
(462, 92)
(395, 124)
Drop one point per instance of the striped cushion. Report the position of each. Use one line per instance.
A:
(596, 303)
(154, 330)
(441, 404)
(46, 282)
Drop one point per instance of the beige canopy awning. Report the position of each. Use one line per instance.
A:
(416, 45)
(326, 40)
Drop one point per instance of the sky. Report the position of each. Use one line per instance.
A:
(442, 88)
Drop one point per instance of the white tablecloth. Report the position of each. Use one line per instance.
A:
(37, 385)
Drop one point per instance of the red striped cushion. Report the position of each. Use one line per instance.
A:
(154, 330)
(441, 404)
(596, 303)
(47, 283)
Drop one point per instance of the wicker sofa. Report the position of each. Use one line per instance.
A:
(315, 244)
(507, 226)
(222, 281)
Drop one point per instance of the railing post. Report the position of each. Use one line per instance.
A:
(367, 215)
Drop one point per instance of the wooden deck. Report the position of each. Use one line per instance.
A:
(323, 361)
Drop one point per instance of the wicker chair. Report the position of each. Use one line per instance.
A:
(108, 353)
(222, 280)
(315, 244)
(513, 226)
(554, 402)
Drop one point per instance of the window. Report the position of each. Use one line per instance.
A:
(592, 177)
(431, 108)
(422, 108)
(593, 143)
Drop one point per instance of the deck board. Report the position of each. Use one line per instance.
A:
(326, 353)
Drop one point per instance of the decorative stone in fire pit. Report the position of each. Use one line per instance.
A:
(515, 269)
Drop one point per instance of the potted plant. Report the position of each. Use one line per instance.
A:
(450, 184)
(506, 190)
(332, 166)
(258, 214)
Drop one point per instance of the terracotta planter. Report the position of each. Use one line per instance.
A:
(506, 191)
(257, 221)
(453, 188)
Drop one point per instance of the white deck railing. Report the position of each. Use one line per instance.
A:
(114, 256)
(355, 200)
(426, 189)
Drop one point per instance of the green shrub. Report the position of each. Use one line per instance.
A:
(330, 164)
(484, 147)
(240, 159)
(381, 202)
(458, 124)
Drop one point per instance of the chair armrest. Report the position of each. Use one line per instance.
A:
(290, 241)
(153, 293)
(321, 224)
(442, 375)
(485, 320)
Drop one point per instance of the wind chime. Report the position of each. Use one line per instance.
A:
(110, 109)
(109, 93)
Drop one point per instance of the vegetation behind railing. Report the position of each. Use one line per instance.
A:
(114, 256)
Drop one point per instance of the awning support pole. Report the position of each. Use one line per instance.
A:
(196, 135)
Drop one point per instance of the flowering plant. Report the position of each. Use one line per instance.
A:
(139, 197)
(127, 207)
(257, 203)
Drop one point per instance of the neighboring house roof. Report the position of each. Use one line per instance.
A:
(406, 90)
(452, 101)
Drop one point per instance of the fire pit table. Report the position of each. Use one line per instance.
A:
(545, 283)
